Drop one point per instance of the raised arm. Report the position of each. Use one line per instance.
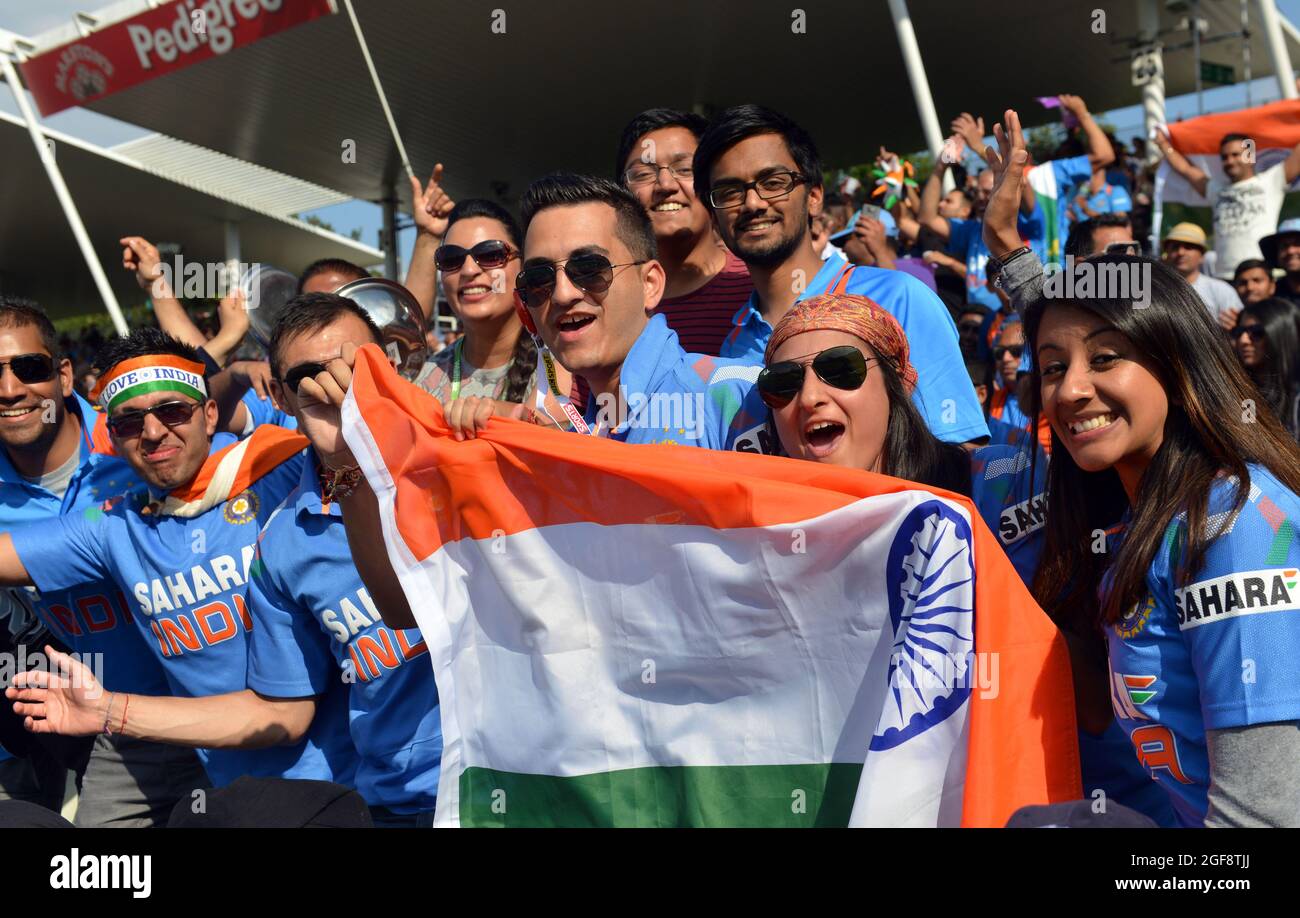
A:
(930, 195)
(141, 256)
(70, 701)
(430, 208)
(1182, 165)
(1100, 152)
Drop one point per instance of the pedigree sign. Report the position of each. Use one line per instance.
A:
(156, 42)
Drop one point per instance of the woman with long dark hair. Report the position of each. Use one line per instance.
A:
(838, 382)
(1171, 544)
(495, 358)
(1267, 341)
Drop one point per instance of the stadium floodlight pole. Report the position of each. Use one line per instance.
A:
(920, 85)
(379, 87)
(1272, 25)
(78, 228)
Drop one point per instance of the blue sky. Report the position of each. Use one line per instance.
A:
(29, 17)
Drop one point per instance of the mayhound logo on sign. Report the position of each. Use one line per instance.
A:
(170, 37)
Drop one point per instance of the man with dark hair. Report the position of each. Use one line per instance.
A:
(1246, 203)
(704, 283)
(329, 274)
(762, 178)
(1254, 281)
(56, 460)
(314, 623)
(1282, 250)
(182, 546)
(1096, 235)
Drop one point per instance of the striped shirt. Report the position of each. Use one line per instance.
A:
(702, 318)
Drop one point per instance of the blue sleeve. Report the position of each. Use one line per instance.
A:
(1033, 228)
(288, 654)
(1070, 172)
(1120, 202)
(263, 411)
(944, 394)
(959, 236)
(1240, 616)
(275, 485)
(68, 550)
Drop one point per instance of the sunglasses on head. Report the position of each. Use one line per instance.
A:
(1015, 350)
(294, 376)
(1255, 333)
(592, 273)
(843, 367)
(30, 368)
(489, 254)
(130, 424)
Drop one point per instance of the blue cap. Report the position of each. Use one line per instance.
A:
(1268, 245)
(875, 213)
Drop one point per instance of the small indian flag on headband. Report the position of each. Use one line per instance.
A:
(150, 373)
(668, 636)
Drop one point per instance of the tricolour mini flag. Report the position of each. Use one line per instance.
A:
(664, 635)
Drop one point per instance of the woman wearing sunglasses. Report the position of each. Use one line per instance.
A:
(838, 383)
(494, 358)
(1171, 531)
(1267, 341)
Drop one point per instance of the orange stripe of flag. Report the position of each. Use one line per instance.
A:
(1276, 125)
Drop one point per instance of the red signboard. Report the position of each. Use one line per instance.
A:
(156, 42)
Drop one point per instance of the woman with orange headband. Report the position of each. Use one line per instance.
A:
(855, 409)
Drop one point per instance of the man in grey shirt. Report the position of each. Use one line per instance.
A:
(1183, 249)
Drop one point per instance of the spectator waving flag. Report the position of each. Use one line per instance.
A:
(662, 635)
(1273, 131)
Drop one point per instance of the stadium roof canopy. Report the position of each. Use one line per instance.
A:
(166, 201)
(555, 88)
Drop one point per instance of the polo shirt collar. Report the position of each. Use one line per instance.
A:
(647, 363)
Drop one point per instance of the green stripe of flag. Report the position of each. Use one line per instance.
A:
(158, 385)
(697, 795)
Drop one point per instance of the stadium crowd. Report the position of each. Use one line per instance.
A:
(162, 510)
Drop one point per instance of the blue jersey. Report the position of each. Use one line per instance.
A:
(1215, 653)
(670, 396)
(1011, 502)
(966, 241)
(1069, 174)
(943, 395)
(90, 616)
(263, 411)
(315, 626)
(1111, 199)
(187, 580)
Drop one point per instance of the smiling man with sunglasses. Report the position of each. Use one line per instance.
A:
(56, 459)
(181, 546)
(588, 287)
(761, 176)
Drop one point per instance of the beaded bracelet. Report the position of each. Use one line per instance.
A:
(337, 484)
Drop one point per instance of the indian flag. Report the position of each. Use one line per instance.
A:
(1274, 129)
(669, 636)
(1042, 178)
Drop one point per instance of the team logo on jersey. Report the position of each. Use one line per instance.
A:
(241, 508)
(1022, 519)
(1129, 693)
(1131, 625)
(1243, 593)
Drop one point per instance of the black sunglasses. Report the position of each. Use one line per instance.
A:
(130, 424)
(489, 254)
(592, 273)
(1255, 333)
(843, 367)
(293, 378)
(1016, 350)
(30, 368)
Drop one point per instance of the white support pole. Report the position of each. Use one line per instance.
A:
(379, 88)
(1271, 23)
(62, 193)
(920, 85)
(1153, 92)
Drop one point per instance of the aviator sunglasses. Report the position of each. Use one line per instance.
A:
(843, 367)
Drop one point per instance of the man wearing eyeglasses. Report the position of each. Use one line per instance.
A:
(181, 546)
(704, 282)
(761, 175)
(314, 622)
(56, 459)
